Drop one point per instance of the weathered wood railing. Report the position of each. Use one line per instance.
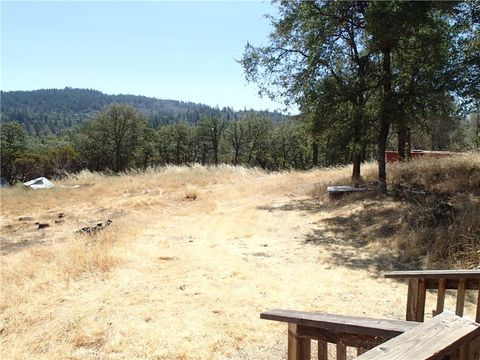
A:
(441, 280)
(460, 338)
(445, 337)
(343, 331)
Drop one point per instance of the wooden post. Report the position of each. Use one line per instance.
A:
(416, 299)
(477, 317)
(412, 299)
(440, 296)
(422, 293)
(462, 353)
(341, 352)
(474, 350)
(322, 350)
(298, 348)
(462, 286)
(360, 351)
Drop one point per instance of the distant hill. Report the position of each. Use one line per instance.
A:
(54, 111)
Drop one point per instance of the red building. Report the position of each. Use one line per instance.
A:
(391, 156)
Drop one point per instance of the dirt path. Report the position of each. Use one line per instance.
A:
(219, 270)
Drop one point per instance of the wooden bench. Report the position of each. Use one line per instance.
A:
(337, 192)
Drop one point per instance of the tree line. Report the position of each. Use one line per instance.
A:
(58, 111)
(119, 138)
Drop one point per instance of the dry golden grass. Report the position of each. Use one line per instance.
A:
(191, 258)
(432, 235)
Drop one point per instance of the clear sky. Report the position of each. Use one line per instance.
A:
(169, 50)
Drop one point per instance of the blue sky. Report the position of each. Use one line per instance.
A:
(170, 50)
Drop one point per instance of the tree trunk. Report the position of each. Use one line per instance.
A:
(408, 146)
(315, 153)
(402, 141)
(357, 156)
(357, 161)
(385, 119)
(215, 153)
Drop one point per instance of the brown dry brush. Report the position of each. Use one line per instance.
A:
(441, 228)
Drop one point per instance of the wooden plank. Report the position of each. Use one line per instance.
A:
(440, 296)
(460, 298)
(298, 348)
(336, 337)
(451, 284)
(477, 317)
(360, 351)
(340, 323)
(344, 189)
(474, 349)
(322, 350)
(451, 279)
(341, 352)
(464, 351)
(420, 307)
(430, 274)
(412, 296)
(439, 337)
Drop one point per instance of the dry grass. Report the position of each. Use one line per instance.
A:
(174, 278)
(441, 229)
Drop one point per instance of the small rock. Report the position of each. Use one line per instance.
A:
(43, 225)
(183, 287)
(262, 254)
(94, 229)
(59, 221)
(61, 215)
(25, 218)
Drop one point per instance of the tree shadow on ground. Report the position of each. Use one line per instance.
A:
(307, 205)
(353, 253)
(7, 247)
(360, 233)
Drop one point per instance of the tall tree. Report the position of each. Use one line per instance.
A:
(318, 47)
(112, 138)
(211, 131)
(13, 142)
(325, 53)
(236, 138)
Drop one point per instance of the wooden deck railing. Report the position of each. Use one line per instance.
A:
(460, 338)
(343, 331)
(445, 337)
(441, 280)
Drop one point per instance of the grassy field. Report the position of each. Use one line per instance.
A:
(192, 256)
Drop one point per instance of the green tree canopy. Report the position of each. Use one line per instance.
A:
(112, 139)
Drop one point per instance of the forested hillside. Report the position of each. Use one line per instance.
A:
(52, 111)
